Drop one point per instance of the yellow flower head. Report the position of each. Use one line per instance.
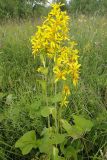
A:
(52, 40)
(66, 90)
(64, 102)
(59, 74)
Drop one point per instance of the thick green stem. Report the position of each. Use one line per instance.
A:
(47, 104)
(56, 119)
(46, 92)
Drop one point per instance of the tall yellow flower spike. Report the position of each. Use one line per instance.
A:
(52, 40)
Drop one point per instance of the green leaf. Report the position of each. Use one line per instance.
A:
(83, 123)
(26, 149)
(45, 146)
(55, 154)
(58, 138)
(46, 111)
(47, 131)
(66, 125)
(72, 131)
(26, 142)
(54, 138)
(34, 109)
(56, 98)
(49, 139)
(70, 152)
(77, 130)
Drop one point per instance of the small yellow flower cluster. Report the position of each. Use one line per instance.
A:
(53, 42)
(66, 92)
(67, 63)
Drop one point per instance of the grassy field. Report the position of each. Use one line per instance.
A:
(18, 85)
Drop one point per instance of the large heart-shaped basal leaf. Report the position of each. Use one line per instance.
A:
(81, 126)
(76, 132)
(26, 142)
(54, 138)
(83, 123)
(49, 139)
(45, 146)
(73, 131)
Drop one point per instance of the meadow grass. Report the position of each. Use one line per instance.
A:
(18, 81)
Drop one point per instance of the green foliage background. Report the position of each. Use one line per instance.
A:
(21, 8)
(88, 6)
(32, 8)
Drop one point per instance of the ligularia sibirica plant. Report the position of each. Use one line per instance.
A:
(58, 69)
